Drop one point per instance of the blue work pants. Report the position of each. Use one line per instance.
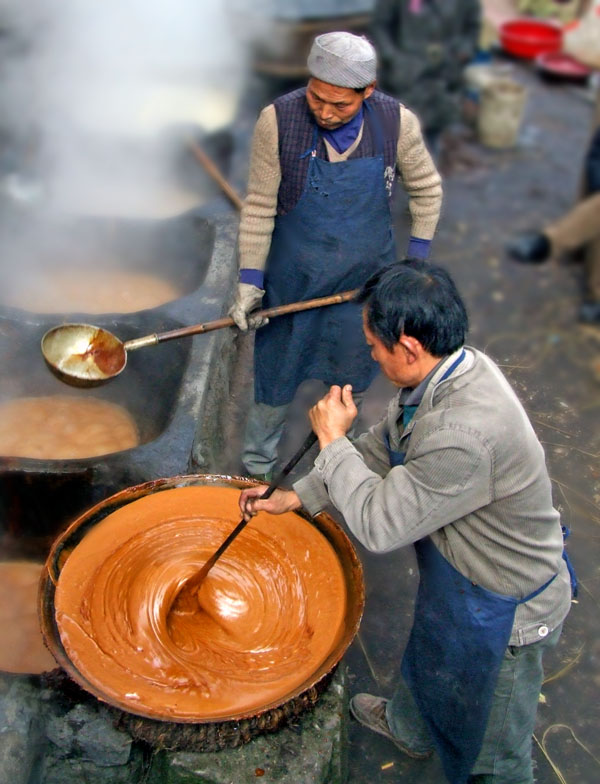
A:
(505, 756)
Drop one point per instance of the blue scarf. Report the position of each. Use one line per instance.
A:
(341, 138)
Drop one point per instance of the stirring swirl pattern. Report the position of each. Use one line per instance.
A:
(271, 609)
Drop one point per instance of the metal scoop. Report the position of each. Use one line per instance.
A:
(186, 599)
(85, 355)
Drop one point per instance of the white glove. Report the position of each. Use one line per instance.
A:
(247, 299)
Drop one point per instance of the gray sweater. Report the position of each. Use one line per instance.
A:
(474, 479)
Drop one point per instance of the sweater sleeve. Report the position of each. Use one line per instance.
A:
(260, 205)
(421, 179)
(447, 478)
(312, 490)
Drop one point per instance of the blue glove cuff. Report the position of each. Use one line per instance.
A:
(254, 277)
(418, 248)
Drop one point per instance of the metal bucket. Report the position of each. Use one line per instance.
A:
(202, 734)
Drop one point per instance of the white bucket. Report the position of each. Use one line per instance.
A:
(501, 112)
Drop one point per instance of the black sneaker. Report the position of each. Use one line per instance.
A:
(589, 313)
(370, 711)
(532, 248)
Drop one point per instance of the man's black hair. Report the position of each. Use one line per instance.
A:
(416, 299)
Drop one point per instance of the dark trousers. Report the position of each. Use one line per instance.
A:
(505, 756)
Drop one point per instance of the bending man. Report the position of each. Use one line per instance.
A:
(456, 470)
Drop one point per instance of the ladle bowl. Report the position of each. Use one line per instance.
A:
(86, 355)
(84, 352)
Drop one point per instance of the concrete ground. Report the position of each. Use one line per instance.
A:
(526, 319)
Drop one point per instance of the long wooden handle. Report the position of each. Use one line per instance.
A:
(209, 326)
(214, 172)
(197, 579)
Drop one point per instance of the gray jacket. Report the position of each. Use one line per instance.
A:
(474, 478)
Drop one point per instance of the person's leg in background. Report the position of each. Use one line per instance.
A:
(590, 309)
(264, 429)
(578, 228)
(505, 754)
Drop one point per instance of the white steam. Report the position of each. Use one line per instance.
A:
(98, 93)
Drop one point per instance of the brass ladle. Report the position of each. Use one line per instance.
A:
(85, 355)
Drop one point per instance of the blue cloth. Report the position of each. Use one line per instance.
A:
(418, 248)
(341, 138)
(456, 647)
(254, 277)
(336, 236)
(453, 656)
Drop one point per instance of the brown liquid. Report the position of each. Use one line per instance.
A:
(89, 291)
(108, 357)
(272, 606)
(61, 427)
(22, 650)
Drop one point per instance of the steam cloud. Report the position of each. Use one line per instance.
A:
(91, 89)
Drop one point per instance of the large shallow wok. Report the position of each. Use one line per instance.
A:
(202, 734)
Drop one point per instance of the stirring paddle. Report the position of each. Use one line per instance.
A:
(186, 599)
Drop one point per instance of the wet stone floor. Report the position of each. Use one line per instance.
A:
(525, 318)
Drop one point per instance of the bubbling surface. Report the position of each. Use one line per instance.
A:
(62, 427)
(270, 610)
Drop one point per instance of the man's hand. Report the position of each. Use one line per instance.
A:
(247, 299)
(333, 416)
(281, 501)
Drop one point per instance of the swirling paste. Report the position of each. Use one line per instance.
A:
(270, 611)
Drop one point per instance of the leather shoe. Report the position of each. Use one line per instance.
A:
(370, 711)
(532, 248)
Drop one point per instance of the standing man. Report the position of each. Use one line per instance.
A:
(423, 46)
(455, 469)
(317, 221)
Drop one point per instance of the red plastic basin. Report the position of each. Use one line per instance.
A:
(560, 65)
(530, 37)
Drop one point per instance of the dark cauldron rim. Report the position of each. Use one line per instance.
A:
(77, 530)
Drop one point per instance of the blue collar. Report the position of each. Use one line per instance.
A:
(343, 137)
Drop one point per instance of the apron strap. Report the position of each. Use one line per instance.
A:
(538, 590)
(408, 412)
(454, 365)
(573, 577)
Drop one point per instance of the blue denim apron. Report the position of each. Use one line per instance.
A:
(458, 639)
(337, 235)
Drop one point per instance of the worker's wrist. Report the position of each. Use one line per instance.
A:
(254, 277)
(328, 438)
(418, 248)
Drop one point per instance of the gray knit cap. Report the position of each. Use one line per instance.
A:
(343, 59)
